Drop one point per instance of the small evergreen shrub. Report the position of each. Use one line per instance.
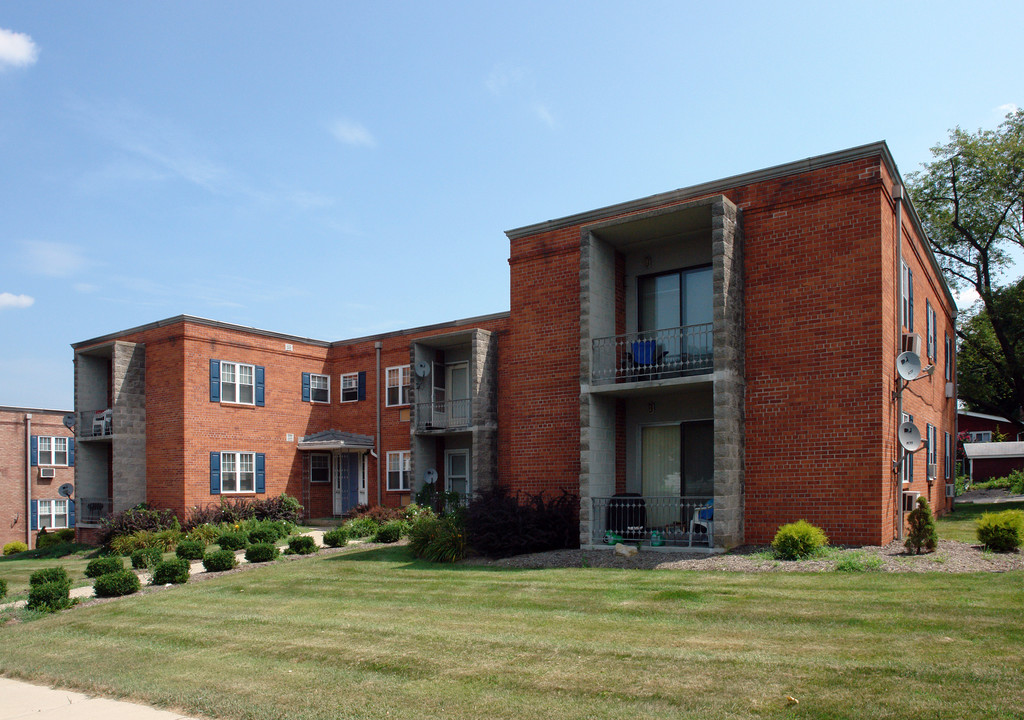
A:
(922, 534)
(220, 561)
(173, 571)
(49, 575)
(236, 540)
(103, 565)
(361, 527)
(146, 558)
(13, 548)
(50, 596)
(263, 535)
(338, 537)
(390, 531)
(117, 583)
(301, 545)
(190, 550)
(48, 539)
(1001, 531)
(3, 588)
(438, 539)
(261, 552)
(798, 540)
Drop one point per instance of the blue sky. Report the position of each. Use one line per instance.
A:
(337, 169)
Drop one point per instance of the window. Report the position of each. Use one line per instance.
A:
(237, 383)
(320, 468)
(398, 385)
(53, 514)
(399, 465)
(930, 316)
(237, 472)
(949, 358)
(53, 451)
(908, 457)
(948, 460)
(907, 293)
(350, 387)
(316, 388)
(981, 436)
(933, 449)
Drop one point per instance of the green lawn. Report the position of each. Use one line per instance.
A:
(16, 569)
(960, 524)
(372, 633)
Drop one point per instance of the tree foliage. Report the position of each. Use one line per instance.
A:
(971, 202)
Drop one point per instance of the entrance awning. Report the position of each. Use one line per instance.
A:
(336, 440)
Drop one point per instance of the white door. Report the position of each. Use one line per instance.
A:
(439, 397)
(456, 473)
(458, 391)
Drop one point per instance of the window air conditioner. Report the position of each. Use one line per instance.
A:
(933, 471)
(45, 472)
(949, 389)
(912, 343)
(950, 490)
(910, 500)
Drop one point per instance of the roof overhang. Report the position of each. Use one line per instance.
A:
(976, 451)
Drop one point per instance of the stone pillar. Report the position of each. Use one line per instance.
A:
(128, 424)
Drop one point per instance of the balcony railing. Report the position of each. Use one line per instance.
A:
(674, 521)
(448, 415)
(93, 509)
(653, 354)
(94, 423)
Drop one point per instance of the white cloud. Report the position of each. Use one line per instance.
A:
(10, 300)
(352, 133)
(16, 49)
(52, 259)
(966, 297)
(1006, 109)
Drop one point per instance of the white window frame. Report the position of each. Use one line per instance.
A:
(350, 385)
(932, 349)
(981, 436)
(907, 296)
(236, 384)
(326, 379)
(48, 509)
(933, 450)
(234, 460)
(55, 446)
(399, 465)
(317, 456)
(398, 377)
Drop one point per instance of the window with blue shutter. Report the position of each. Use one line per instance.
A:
(362, 385)
(215, 381)
(34, 451)
(305, 387)
(215, 473)
(261, 472)
(260, 385)
(35, 515)
(71, 513)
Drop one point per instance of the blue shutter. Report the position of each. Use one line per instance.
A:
(259, 385)
(35, 515)
(34, 451)
(71, 452)
(261, 472)
(305, 387)
(362, 385)
(215, 473)
(71, 513)
(215, 381)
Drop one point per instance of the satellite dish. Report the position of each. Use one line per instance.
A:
(908, 365)
(69, 420)
(422, 368)
(430, 476)
(65, 490)
(910, 437)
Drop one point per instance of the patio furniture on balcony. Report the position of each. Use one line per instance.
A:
(653, 354)
(679, 521)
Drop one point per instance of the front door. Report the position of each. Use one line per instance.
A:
(346, 482)
(456, 473)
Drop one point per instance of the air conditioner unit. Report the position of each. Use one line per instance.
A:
(933, 471)
(910, 500)
(950, 491)
(912, 343)
(45, 473)
(949, 389)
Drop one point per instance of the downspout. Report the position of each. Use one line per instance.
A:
(28, 480)
(897, 196)
(377, 346)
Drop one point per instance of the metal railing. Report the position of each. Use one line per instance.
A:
(93, 509)
(95, 423)
(444, 415)
(678, 521)
(653, 354)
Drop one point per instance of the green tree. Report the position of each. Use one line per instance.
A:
(971, 202)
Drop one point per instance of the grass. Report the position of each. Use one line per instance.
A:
(16, 569)
(961, 523)
(373, 633)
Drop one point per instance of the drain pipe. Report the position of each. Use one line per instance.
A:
(897, 196)
(28, 480)
(377, 346)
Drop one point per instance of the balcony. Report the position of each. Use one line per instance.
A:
(448, 415)
(653, 355)
(95, 423)
(675, 521)
(91, 510)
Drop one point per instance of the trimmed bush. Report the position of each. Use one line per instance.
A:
(116, 584)
(13, 548)
(173, 571)
(191, 550)
(361, 527)
(922, 534)
(499, 524)
(233, 540)
(220, 561)
(48, 539)
(338, 537)
(261, 552)
(103, 565)
(1001, 531)
(263, 535)
(301, 545)
(391, 531)
(146, 558)
(438, 539)
(798, 540)
(49, 575)
(50, 596)
(3, 588)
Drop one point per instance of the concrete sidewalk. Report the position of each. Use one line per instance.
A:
(23, 700)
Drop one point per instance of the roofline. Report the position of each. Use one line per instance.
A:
(18, 408)
(423, 328)
(985, 417)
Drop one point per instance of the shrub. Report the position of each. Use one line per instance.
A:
(798, 540)
(391, 531)
(381, 514)
(220, 561)
(499, 524)
(145, 558)
(205, 534)
(922, 534)
(49, 575)
(48, 539)
(50, 596)
(127, 544)
(13, 548)
(301, 545)
(233, 540)
(140, 517)
(116, 584)
(361, 527)
(174, 571)
(3, 588)
(263, 535)
(168, 539)
(338, 537)
(281, 508)
(1001, 531)
(261, 552)
(190, 550)
(103, 565)
(438, 539)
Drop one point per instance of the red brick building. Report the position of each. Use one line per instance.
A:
(700, 366)
(37, 456)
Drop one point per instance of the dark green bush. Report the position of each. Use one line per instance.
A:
(438, 539)
(3, 588)
(146, 558)
(263, 535)
(261, 552)
(50, 596)
(190, 550)
(337, 537)
(499, 524)
(1001, 531)
(233, 540)
(301, 545)
(361, 527)
(281, 508)
(220, 561)
(48, 575)
(47, 539)
(117, 583)
(13, 548)
(922, 534)
(798, 540)
(174, 571)
(390, 531)
(103, 565)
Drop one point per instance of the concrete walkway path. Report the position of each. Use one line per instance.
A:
(19, 699)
